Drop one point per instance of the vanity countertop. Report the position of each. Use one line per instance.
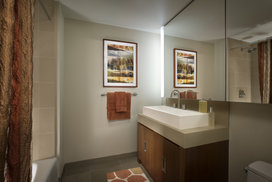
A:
(186, 138)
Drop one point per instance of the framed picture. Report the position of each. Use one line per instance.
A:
(185, 68)
(120, 63)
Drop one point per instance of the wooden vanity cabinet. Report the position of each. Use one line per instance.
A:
(167, 162)
(159, 156)
(150, 152)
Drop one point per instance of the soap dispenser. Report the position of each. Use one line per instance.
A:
(203, 106)
(211, 117)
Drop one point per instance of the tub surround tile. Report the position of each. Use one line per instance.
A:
(47, 70)
(47, 94)
(46, 120)
(46, 146)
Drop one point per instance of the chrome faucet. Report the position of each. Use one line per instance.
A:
(174, 93)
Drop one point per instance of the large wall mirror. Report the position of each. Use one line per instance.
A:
(199, 28)
(249, 51)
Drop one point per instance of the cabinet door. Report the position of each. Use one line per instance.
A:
(157, 173)
(141, 144)
(171, 162)
(149, 150)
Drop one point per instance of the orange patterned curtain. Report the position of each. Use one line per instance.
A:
(265, 74)
(16, 89)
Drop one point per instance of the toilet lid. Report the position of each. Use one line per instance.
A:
(261, 168)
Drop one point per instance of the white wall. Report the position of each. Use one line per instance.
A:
(250, 137)
(87, 133)
(205, 65)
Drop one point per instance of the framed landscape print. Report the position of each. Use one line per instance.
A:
(120, 64)
(185, 68)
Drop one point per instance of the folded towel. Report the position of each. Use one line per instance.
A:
(111, 107)
(121, 103)
(183, 95)
(191, 95)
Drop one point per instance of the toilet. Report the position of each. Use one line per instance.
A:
(259, 171)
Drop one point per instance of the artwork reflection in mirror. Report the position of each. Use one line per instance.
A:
(249, 51)
(185, 65)
(201, 28)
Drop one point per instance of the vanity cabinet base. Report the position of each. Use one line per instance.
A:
(167, 162)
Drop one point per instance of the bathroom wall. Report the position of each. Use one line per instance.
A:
(44, 78)
(87, 133)
(205, 65)
(250, 137)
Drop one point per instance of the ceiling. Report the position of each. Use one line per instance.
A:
(203, 20)
(146, 15)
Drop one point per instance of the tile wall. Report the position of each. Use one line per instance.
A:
(44, 81)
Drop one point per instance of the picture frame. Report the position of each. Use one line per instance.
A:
(185, 68)
(120, 63)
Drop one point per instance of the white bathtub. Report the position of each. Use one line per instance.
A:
(44, 170)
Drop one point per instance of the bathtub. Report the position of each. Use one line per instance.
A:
(44, 170)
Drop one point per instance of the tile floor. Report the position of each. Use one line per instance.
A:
(95, 170)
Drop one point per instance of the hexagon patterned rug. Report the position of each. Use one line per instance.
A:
(127, 175)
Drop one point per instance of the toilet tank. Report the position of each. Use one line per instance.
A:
(259, 171)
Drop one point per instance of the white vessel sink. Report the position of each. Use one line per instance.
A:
(178, 118)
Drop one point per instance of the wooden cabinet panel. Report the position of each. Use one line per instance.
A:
(141, 129)
(171, 156)
(157, 173)
(149, 143)
(207, 163)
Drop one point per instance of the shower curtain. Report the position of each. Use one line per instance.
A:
(265, 71)
(16, 89)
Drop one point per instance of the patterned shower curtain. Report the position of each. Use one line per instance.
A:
(265, 71)
(16, 89)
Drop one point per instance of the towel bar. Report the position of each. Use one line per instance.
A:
(133, 94)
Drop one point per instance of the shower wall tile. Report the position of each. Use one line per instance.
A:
(46, 120)
(35, 69)
(35, 119)
(47, 95)
(46, 146)
(44, 78)
(47, 44)
(35, 146)
(47, 70)
(35, 95)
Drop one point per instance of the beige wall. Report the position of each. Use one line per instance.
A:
(250, 137)
(44, 77)
(87, 133)
(205, 65)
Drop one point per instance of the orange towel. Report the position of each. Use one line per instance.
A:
(183, 95)
(111, 107)
(191, 95)
(121, 103)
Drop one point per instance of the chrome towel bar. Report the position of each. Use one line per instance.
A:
(133, 94)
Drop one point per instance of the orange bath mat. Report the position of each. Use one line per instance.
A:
(127, 175)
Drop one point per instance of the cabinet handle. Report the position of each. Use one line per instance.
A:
(163, 164)
(144, 146)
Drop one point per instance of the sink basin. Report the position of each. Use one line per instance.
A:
(178, 118)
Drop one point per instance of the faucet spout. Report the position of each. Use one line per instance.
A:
(176, 93)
